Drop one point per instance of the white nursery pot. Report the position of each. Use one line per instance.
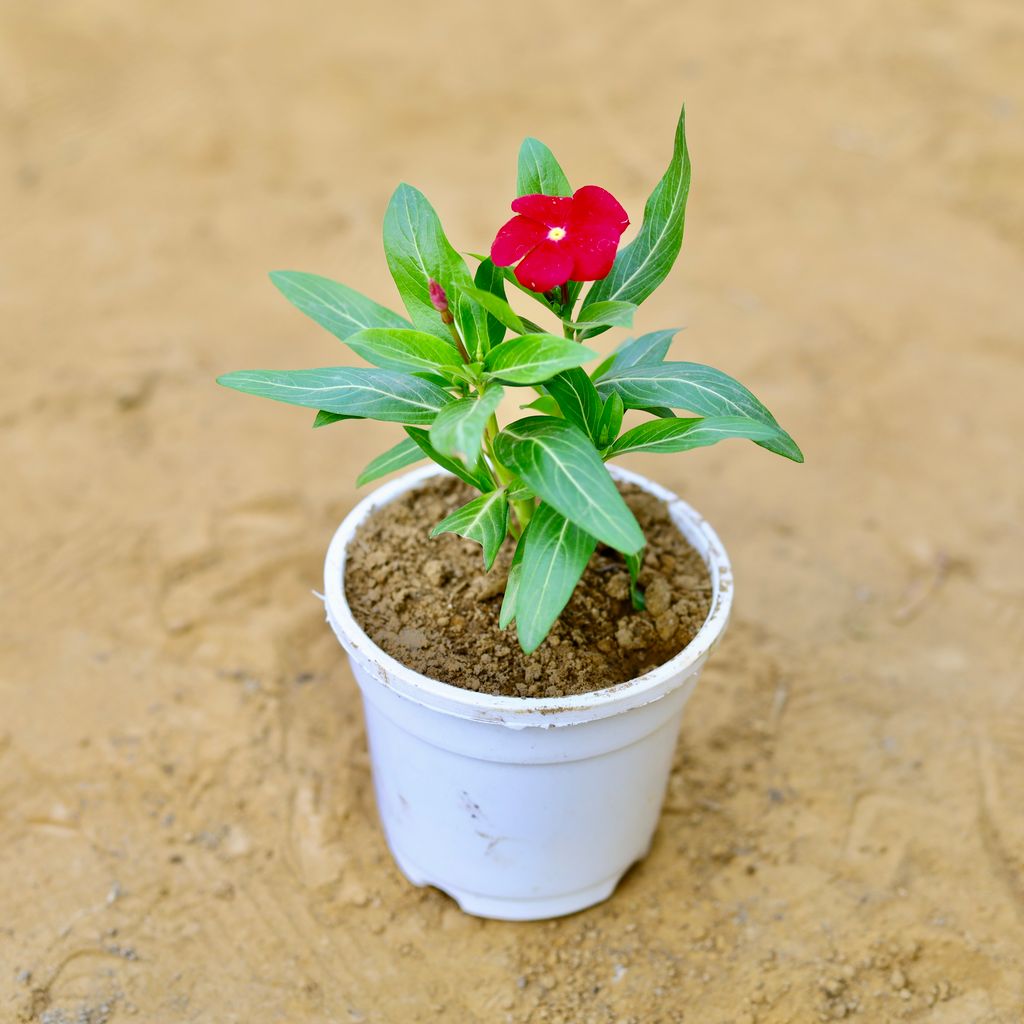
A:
(521, 808)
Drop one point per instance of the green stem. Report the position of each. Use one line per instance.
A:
(568, 331)
(450, 321)
(522, 509)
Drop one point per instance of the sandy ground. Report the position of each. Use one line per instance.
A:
(187, 829)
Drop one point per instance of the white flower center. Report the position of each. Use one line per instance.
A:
(556, 234)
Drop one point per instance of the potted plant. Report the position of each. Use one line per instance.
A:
(521, 802)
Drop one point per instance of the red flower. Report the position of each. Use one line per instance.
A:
(561, 238)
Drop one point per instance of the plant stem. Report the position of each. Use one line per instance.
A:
(522, 509)
(449, 320)
(568, 331)
(502, 477)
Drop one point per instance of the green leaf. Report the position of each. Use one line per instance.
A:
(459, 427)
(603, 367)
(405, 453)
(405, 350)
(545, 404)
(533, 358)
(562, 466)
(436, 378)
(508, 602)
(680, 435)
(605, 314)
(477, 476)
(577, 399)
(648, 348)
(539, 172)
(418, 251)
(698, 388)
(531, 327)
(498, 308)
(636, 595)
(352, 391)
(324, 419)
(643, 264)
(340, 309)
(488, 278)
(611, 421)
(556, 553)
(469, 374)
(519, 491)
(484, 519)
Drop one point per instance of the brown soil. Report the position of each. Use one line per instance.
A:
(429, 603)
(187, 824)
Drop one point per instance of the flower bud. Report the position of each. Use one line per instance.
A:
(438, 299)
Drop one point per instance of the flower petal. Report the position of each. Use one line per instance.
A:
(551, 211)
(593, 206)
(593, 252)
(548, 266)
(515, 240)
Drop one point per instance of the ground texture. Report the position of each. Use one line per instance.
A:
(187, 829)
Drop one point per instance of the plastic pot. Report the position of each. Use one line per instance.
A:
(521, 808)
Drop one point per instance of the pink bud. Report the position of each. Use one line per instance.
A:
(438, 299)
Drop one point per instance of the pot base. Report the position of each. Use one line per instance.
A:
(516, 909)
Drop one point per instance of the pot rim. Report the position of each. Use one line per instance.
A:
(519, 712)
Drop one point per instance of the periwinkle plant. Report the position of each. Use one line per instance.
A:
(443, 372)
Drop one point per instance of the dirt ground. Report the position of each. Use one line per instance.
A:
(187, 829)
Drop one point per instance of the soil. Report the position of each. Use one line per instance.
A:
(429, 603)
(187, 824)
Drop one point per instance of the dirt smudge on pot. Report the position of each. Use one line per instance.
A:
(429, 604)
